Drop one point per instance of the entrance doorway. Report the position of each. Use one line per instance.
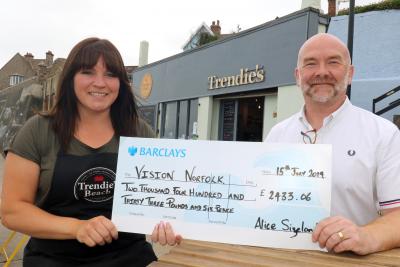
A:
(242, 119)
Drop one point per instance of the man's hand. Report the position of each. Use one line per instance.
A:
(164, 234)
(339, 234)
(96, 231)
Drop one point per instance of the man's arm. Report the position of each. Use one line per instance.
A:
(339, 234)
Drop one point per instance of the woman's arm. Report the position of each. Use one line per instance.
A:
(20, 182)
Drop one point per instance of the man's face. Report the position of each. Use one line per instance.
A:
(323, 70)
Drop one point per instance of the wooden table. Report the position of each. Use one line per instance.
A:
(196, 253)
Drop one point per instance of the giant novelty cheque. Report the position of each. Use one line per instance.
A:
(247, 193)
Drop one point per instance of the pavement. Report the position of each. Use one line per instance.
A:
(17, 261)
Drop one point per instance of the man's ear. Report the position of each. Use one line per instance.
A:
(296, 76)
(350, 74)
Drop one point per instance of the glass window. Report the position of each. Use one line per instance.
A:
(242, 119)
(183, 119)
(16, 79)
(179, 119)
(170, 120)
(193, 107)
(250, 119)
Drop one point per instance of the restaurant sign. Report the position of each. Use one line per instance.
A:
(245, 76)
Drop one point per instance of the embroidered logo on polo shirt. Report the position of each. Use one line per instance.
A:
(351, 152)
(95, 185)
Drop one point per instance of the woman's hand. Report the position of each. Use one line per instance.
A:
(164, 234)
(96, 231)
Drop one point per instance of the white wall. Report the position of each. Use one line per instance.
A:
(290, 101)
(215, 120)
(270, 112)
(204, 117)
(321, 28)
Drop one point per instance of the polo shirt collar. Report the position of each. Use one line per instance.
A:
(302, 115)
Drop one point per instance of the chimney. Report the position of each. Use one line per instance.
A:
(331, 8)
(215, 28)
(143, 53)
(42, 71)
(49, 58)
(28, 56)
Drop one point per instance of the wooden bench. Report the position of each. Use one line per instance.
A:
(196, 253)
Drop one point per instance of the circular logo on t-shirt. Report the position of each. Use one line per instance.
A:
(95, 185)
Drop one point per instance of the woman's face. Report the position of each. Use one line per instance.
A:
(96, 89)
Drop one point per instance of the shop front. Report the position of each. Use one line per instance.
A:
(234, 89)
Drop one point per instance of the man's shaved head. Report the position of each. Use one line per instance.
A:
(321, 38)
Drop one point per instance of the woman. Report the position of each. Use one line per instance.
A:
(57, 158)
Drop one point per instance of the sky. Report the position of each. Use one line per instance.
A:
(37, 26)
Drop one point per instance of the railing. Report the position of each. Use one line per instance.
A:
(390, 106)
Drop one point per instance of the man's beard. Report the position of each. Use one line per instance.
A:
(337, 87)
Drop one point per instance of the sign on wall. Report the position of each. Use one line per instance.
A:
(245, 76)
(146, 85)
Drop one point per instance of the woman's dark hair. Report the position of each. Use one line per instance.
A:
(64, 113)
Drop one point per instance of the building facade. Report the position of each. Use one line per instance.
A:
(232, 89)
(27, 85)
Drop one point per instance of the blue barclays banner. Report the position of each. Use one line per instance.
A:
(247, 193)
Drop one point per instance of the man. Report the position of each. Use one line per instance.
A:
(365, 205)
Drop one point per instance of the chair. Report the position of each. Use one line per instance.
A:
(4, 247)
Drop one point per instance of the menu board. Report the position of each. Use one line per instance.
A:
(228, 122)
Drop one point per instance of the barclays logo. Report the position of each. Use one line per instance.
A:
(157, 152)
(132, 150)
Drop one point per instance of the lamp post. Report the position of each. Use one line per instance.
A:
(350, 34)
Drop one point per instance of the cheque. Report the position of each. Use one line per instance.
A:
(246, 193)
